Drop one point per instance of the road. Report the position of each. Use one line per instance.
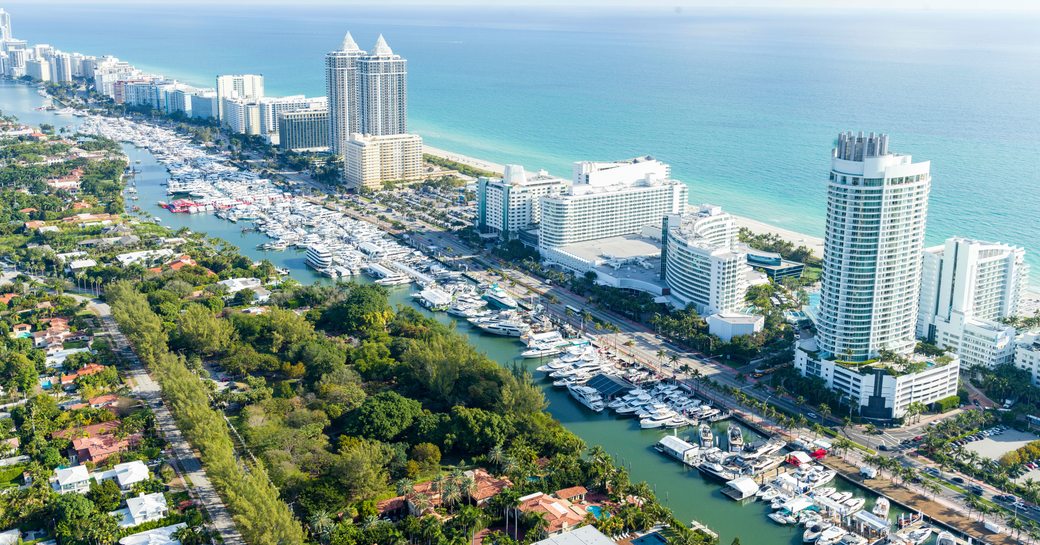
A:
(185, 460)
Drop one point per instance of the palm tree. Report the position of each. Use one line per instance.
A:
(497, 455)
(192, 535)
(321, 525)
(404, 486)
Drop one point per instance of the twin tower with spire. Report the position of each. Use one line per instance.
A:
(367, 92)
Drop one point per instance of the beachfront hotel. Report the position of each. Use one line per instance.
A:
(510, 205)
(304, 130)
(967, 286)
(609, 200)
(700, 263)
(371, 160)
(877, 204)
(342, 90)
(246, 87)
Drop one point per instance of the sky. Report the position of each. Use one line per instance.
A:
(922, 5)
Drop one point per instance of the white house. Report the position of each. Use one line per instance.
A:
(72, 479)
(157, 536)
(142, 509)
(125, 475)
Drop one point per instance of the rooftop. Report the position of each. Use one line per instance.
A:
(586, 535)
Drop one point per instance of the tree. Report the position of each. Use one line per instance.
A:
(200, 332)
(383, 416)
(106, 495)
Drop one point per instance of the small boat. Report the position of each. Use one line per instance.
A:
(852, 539)
(881, 507)
(945, 538)
(736, 438)
(781, 518)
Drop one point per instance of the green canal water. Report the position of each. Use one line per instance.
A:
(683, 490)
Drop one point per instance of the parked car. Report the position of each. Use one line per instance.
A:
(959, 480)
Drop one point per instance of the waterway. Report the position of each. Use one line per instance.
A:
(683, 490)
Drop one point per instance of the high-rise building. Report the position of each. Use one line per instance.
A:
(342, 90)
(877, 204)
(204, 104)
(1027, 354)
(271, 108)
(512, 203)
(967, 286)
(238, 86)
(304, 130)
(5, 26)
(383, 81)
(61, 66)
(241, 115)
(700, 264)
(38, 69)
(598, 207)
(371, 160)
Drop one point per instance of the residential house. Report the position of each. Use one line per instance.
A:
(86, 370)
(125, 475)
(103, 401)
(97, 442)
(560, 515)
(72, 479)
(142, 509)
(157, 536)
(21, 330)
(7, 297)
(586, 535)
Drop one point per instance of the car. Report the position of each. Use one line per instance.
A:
(932, 471)
(811, 414)
(883, 447)
(919, 438)
(959, 480)
(975, 489)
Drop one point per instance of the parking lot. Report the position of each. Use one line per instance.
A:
(995, 446)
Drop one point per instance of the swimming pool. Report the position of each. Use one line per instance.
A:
(597, 511)
(653, 538)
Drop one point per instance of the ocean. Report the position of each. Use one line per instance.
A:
(745, 105)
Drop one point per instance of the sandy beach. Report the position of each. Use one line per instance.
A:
(464, 159)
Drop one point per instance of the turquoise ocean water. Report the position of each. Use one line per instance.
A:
(744, 105)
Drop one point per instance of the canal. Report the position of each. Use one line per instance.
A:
(683, 490)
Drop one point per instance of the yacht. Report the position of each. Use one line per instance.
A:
(831, 536)
(587, 396)
(498, 296)
(541, 351)
(812, 532)
(853, 539)
(881, 507)
(736, 438)
(841, 497)
(918, 536)
(945, 538)
(783, 518)
(507, 328)
(854, 504)
(707, 438)
(716, 471)
(824, 492)
(319, 257)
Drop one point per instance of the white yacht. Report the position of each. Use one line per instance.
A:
(707, 438)
(945, 538)
(881, 508)
(830, 536)
(498, 296)
(736, 438)
(812, 532)
(319, 257)
(587, 396)
(504, 327)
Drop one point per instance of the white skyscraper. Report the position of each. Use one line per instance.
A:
(383, 81)
(877, 204)
(700, 263)
(5, 26)
(61, 68)
(966, 286)
(342, 89)
(508, 205)
(238, 86)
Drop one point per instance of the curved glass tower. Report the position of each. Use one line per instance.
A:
(877, 204)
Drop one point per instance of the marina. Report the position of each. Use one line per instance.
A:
(683, 488)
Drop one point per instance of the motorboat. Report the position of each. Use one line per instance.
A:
(716, 471)
(506, 328)
(945, 538)
(812, 532)
(854, 504)
(881, 508)
(587, 396)
(736, 438)
(707, 438)
(917, 536)
(768, 493)
(781, 518)
(824, 492)
(841, 497)
(853, 539)
(831, 536)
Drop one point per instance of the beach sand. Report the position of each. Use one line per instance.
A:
(464, 159)
(798, 239)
